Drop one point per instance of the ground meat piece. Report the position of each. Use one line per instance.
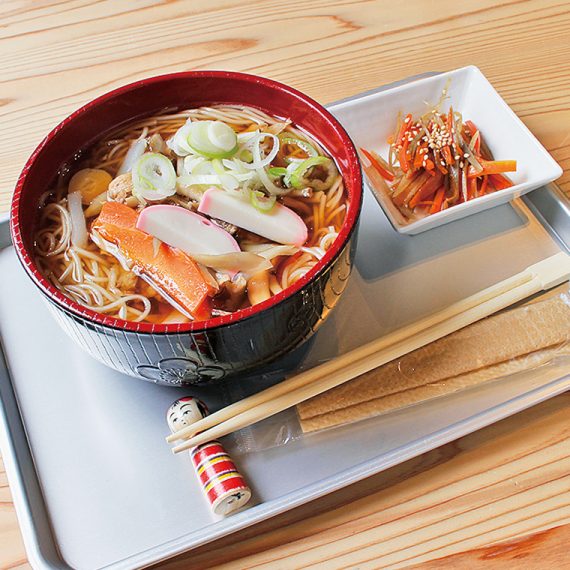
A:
(230, 228)
(120, 188)
(127, 281)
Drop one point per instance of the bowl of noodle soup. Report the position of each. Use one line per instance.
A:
(191, 227)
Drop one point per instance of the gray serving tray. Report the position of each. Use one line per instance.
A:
(94, 484)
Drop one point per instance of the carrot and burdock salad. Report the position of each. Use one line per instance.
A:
(435, 162)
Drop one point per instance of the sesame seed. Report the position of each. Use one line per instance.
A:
(466, 155)
(461, 164)
(407, 120)
(457, 157)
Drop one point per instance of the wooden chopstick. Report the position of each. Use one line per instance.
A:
(400, 334)
(538, 277)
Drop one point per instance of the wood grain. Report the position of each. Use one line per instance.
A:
(56, 56)
(501, 483)
(506, 482)
(546, 549)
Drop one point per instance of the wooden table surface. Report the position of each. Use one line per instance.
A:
(498, 498)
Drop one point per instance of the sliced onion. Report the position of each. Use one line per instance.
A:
(247, 136)
(156, 243)
(199, 179)
(307, 148)
(156, 143)
(212, 139)
(208, 277)
(255, 146)
(154, 177)
(268, 184)
(179, 166)
(261, 202)
(230, 183)
(96, 205)
(179, 142)
(191, 162)
(270, 250)
(78, 225)
(239, 261)
(226, 181)
(134, 153)
(222, 136)
(298, 177)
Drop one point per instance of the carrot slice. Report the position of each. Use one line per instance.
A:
(470, 125)
(403, 156)
(426, 191)
(406, 194)
(494, 167)
(377, 164)
(447, 155)
(471, 188)
(500, 182)
(418, 158)
(438, 201)
(174, 273)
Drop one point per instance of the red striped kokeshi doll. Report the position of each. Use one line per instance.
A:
(225, 489)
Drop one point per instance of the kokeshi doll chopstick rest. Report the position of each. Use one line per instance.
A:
(224, 487)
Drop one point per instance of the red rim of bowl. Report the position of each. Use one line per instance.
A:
(68, 305)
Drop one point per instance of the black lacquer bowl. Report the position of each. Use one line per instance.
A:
(206, 351)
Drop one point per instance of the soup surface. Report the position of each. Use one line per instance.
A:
(190, 215)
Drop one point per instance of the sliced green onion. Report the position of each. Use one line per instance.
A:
(227, 181)
(192, 162)
(254, 145)
(212, 139)
(299, 177)
(277, 171)
(261, 202)
(307, 148)
(269, 185)
(289, 171)
(244, 137)
(179, 142)
(218, 166)
(154, 177)
(200, 179)
(222, 136)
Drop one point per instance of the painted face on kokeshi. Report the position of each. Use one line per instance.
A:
(185, 412)
(223, 485)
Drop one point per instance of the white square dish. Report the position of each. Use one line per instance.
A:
(372, 118)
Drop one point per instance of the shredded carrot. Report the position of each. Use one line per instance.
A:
(447, 155)
(500, 182)
(426, 191)
(438, 201)
(494, 167)
(374, 160)
(423, 176)
(402, 156)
